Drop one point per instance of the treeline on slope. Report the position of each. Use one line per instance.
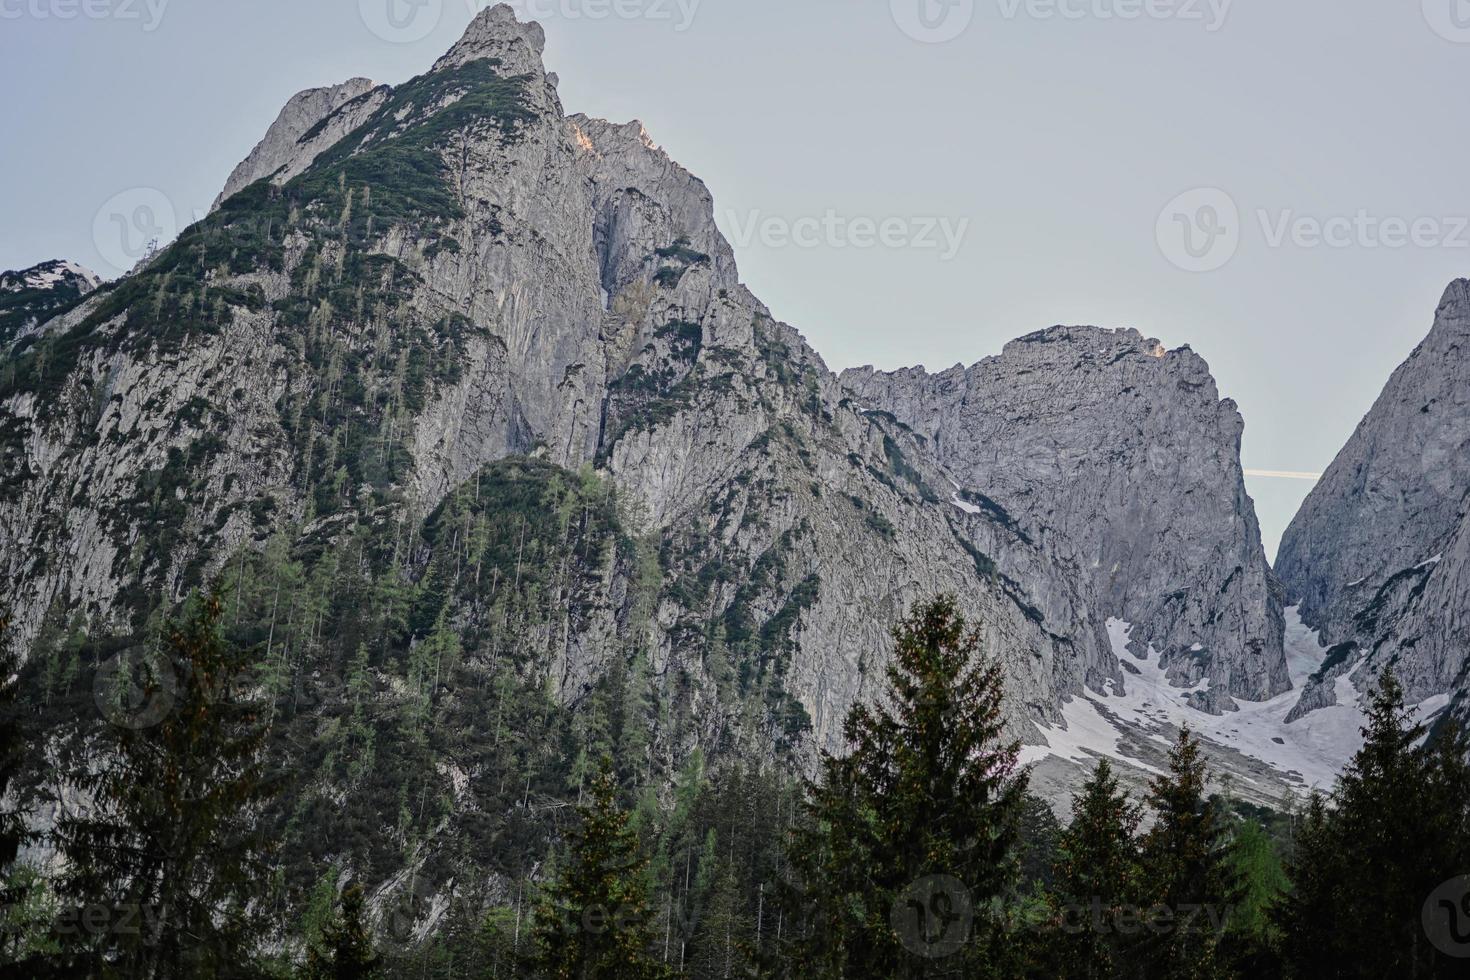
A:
(918, 853)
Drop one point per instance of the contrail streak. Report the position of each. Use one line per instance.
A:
(1284, 475)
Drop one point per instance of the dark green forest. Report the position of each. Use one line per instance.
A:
(918, 853)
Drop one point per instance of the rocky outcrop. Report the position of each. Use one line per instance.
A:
(1377, 555)
(311, 122)
(1120, 460)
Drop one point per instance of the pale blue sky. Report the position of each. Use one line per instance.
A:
(1058, 130)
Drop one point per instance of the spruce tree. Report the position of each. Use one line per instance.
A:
(346, 949)
(163, 871)
(1309, 915)
(593, 922)
(1096, 876)
(1187, 887)
(1365, 869)
(908, 838)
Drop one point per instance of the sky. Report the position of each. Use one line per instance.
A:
(1282, 186)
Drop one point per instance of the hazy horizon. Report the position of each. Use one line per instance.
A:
(1276, 188)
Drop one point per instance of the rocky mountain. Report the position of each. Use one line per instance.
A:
(467, 276)
(1120, 460)
(32, 296)
(462, 400)
(1379, 554)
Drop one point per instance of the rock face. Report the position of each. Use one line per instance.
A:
(1378, 553)
(1121, 462)
(310, 123)
(539, 285)
(474, 385)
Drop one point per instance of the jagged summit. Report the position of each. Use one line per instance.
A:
(1121, 458)
(498, 33)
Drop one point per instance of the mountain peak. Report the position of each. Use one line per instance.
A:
(48, 274)
(1454, 306)
(497, 33)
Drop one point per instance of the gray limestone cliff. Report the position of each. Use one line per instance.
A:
(469, 275)
(311, 122)
(1379, 554)
(1120, 460)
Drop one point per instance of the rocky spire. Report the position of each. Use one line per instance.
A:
(496, 33)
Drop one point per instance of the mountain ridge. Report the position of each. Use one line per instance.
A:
(436, 278)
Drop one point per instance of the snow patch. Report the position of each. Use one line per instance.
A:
(1310, 752)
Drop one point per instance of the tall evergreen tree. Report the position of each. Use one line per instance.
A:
(593, 923)
(1308, 915)
(1096, 876)
(1364, 870)
(1186, 878)
(162, 874)
(908, 837)
(1256, 865)
(346, 948)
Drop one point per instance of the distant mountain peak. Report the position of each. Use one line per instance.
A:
(47, 274)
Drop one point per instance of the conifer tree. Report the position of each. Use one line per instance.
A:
(346, 949)
(908, 837)
(593, 921)
(1096, 875)
(169, 857)
(1309, 914)
(1398, 829)
(1186, 879)
(1256, 865)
